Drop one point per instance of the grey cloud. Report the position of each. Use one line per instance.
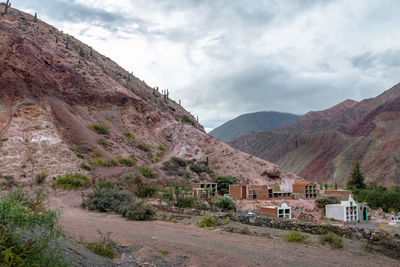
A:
(370, 60)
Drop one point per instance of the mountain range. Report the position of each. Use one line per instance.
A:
(252, 122)
(324, 145)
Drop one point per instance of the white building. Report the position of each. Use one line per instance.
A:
(346, 211)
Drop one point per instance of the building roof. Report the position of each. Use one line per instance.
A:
(302, 183)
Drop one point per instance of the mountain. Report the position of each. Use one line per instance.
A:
(65, 108)
(252, 122)
(324, 145)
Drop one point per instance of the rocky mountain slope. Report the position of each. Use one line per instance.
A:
(66, 108)
(253, 122)
(324, 145)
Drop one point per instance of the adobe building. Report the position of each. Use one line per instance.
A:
(346, 211)
(200, 189)
(284, 211)
(255, 192)
(341, 194)
(305, 190)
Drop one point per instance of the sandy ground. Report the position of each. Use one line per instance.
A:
(194, 246)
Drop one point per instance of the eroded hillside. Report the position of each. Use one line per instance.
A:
(66, 108)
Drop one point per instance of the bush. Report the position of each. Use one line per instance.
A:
(198, 168)
(102, 142)
(147, 172)
(207, 221)
(179, 161)
(144, 147)
(72, 181)
(333, 239)
(10, 180)
(106, 199)
(86, 166)
(100, 128)
(162, 149)
(186, 202)
(105, 184)
(147, 191)
(186, 120)
(138, 211)
(129, 162)
(41, 176)
(129, 136)
(27, 229)
(104, 247)
(223, 183)
(294, 236)
(226, 204)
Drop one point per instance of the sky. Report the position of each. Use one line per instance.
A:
(224, 58)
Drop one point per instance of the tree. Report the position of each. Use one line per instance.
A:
(336, 185)
(223, 183)
(356, 181)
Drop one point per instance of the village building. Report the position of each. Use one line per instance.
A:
(306, 190)
(201, 189)
(341, 194)
(346, 211)
(283, 211)
(255, 192)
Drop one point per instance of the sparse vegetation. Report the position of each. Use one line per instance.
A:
(138, 211)
(86, 166)
(129, 162)
(207, 221)
(294, 236)
(226, 204)
(164, 252)
(72, 181)
(103, 142)
(223, 183)
(100, 128)
(144, 147)
(146, 190)
(129, 136)
(148, 172)
(333, 239)
(186, 120)
(104, 247)
(41, 176)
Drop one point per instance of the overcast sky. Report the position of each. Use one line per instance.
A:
(223, 58)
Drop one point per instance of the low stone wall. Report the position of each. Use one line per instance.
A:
(383, 242)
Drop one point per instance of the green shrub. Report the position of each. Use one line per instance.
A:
(105, 184)
(100, 128)
(198, 168)
(138, 211)
(148, 190)
(179, 161)
(294, 236)
(102, 142)
(186, 202)
(148, 172)
(162, 149)
(226, 204)
(129, 162)
(106, 199)
(86, 166)
(223, 183)
(129, 136)
(186, 120)
(41, 176)
(207, 221)
(104, 247)
(164, 252)
(72, 181)
(144, 147)
(27, 229)
(333, 239)
(105, 163)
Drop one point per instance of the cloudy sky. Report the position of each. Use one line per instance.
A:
(223, 58)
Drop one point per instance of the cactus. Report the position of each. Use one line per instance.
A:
(8, 4)
(179, 102)
(35, 19)
(56, 39)
(66, 45)
(91, 51)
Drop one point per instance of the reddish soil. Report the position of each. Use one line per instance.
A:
(200, 246)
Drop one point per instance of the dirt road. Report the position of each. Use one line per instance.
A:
(195, 246)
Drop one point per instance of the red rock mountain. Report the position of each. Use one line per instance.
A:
(324, 145)
(53, 88)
